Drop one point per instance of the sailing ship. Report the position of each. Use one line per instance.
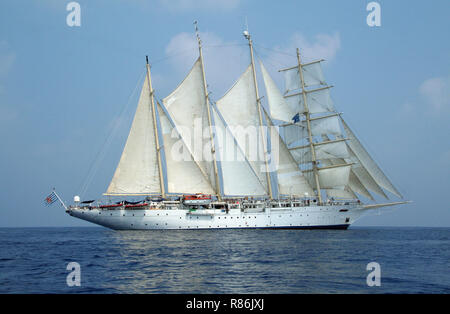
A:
(311, 170)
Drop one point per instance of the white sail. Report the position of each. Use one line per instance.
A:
(187, 108)
(291, 180)
(240, 112)
(319, 101)
(368, 163)
(343, 194)
(280, 109)
(334, 177)
(363, 176)
(137, 171)
(294, 132)
(312, 75)
(319, 126)
(326, 125)
(354, 184)
(239, 179)
(292, 80)
(326, 150)
(184, 176)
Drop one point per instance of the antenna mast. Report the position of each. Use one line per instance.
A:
(208, 107)
(308, 125)
(258, 100)
(155, 127)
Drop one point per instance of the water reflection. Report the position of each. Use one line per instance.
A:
(226, 261)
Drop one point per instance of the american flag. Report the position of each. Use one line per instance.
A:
(49, 200)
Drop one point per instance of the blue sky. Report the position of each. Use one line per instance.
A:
(62, 89)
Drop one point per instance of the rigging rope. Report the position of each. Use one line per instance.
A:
(170, 56)
(276, 51)
(104, 148)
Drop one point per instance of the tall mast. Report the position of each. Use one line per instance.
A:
(155, 127)
(308, 125)
(208, 107)
(258, 100)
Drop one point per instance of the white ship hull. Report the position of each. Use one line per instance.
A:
(309, 217)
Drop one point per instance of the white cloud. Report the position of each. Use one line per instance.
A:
(186, 5)
(434, 98)
(324, 46)
(436, 92)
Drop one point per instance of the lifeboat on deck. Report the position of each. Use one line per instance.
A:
(197, 199)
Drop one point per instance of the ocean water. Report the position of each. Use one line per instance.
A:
(412, 260)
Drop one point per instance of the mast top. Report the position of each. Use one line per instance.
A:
(197, 34)
(246, 35)
(146, 59)
(245, 32)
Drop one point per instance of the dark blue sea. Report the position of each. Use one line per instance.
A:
(412, 260)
